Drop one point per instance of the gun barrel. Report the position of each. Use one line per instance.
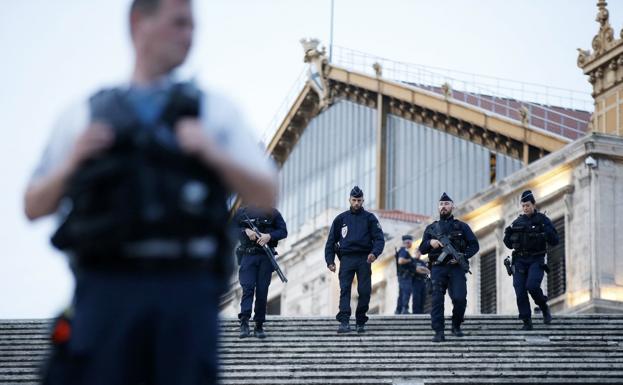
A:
(273, 261)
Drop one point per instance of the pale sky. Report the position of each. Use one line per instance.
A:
(55, 52)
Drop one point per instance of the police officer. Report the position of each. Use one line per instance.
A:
(357, 238)
(418, 282)
(448, 274)
(404, 265)
(146, 168)
(255, 267)
(529, 236)
(412, 273)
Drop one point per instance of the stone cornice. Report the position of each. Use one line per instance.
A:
(595, 144)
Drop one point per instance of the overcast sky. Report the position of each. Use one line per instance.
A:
(56, 52)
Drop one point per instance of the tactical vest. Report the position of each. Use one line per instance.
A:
(264, 224)
(456, 235)
(528, 236)
(404, 269)
(143, 197)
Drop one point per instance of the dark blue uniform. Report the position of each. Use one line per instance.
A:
(418, 283)
(145, 307)
(353, 236)
(405, 281)
(410, 283)
(255, 268)
(448, 276)
(149, 327)
(528, 236)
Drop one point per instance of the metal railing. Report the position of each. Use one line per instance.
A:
(558, 110)
(285, 106)
(503, 96)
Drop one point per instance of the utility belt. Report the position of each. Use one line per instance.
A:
(405, 274)
(251, 250)
(528, 254)
(411, 274)
(355, 254)
(437, 262)
(201, 253)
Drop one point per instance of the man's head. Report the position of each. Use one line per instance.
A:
(407, 241)
(528, 204)
(445, 206)
(356, 199)
(162, 32)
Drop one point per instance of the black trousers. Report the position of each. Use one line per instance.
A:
(351, 265)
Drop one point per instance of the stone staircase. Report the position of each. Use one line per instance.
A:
(395, 350)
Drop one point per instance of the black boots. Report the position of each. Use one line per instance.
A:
(439, 336)
(344, 328)
(258, 331)
(547, 315)
(244, 329)
(527, 324)
(457, 332)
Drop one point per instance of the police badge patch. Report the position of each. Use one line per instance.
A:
(344, 231)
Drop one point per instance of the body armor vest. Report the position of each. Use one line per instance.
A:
(141, 188)
(264, 224)
(455, 233)
(528, 236)
(404, 269)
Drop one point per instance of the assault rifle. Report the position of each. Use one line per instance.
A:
(450, 251)
(267, 249)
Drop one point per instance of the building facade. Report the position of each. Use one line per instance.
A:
(405, 143)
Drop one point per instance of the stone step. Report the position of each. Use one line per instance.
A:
(340, 339)
(395, 350)
(424, 355)
(556, 323)
(380, 343)
(440, 349)
(419, 381)
(238, 369)
(393, 373)
(425, 317)
(439, 360)
(486, 334)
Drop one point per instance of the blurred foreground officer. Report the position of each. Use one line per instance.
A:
(139, 176)
(357, 238)
(529, 236)
(447, 273)
(256, 268)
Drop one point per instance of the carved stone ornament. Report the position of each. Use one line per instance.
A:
(606, 33)
(318, 70)
(604, 39)
(378, 69)
(524, 113)
(310, 47)
(447, 90)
